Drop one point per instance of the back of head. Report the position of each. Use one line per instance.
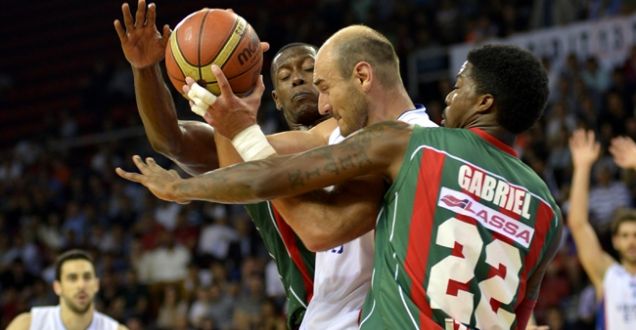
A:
(68, 256)
(516, 79)
(358, 43)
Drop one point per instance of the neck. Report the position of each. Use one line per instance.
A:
(488, 124)
(75, 321)
(629, 266)
(390, 105)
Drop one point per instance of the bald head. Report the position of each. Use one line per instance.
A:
(359, 43)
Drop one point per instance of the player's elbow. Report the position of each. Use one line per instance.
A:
(319, 239)
(169, 149)
(317, 245)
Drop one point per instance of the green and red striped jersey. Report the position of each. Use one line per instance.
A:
(294, 261)
(463, 227)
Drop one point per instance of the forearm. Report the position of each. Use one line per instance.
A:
(579, 198)
(325, 219)
(156, 109)
(373, 151)
(235, 184)
(225, 151)
(593, 258)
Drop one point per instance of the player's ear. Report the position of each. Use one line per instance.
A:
(363, 74)
(486, 103)
(279, 106)
(57, 287)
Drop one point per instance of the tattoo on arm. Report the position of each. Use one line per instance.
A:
(353, 153)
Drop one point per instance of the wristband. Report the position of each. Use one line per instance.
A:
(252, 144)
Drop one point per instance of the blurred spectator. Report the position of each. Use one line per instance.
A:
(167, 263)
(216, 237)
(172, 309)
(248, 305)
(222, 304)
(200, 308)
(595, 77)
(273, 285)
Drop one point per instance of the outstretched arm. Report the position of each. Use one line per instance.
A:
(377, 149)
(190, 144)
(585, 150)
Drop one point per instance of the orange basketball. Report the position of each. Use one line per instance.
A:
(214, 36)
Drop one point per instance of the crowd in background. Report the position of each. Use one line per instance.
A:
(202, 265)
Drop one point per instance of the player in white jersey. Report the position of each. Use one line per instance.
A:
(345, 271)
(76, 284)
(614, 281)
(332, 279)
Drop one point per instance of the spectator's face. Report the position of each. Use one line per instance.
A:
(77, 285)
(461, 101)
(340, 97)
(295, 93)
(625, 241)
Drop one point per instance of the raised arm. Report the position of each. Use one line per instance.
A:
(585, 150)
(190, 144)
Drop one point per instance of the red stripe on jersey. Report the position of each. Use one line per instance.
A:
(543, 221)
(289, 239)
(424, 205)
(494, 141)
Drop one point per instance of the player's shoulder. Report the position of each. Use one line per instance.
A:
(21, 322)
(121, 327)
(418, 117)
(324, 129)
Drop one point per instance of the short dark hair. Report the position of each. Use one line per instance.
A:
(68, 256)
(372, 47)
(516, 79)
(620, 217)
(286, 47)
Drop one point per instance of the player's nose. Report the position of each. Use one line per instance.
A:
(297, 80)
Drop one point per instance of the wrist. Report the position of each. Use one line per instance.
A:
(252, 144)
(178, 190)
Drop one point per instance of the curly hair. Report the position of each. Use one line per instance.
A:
(516, 79)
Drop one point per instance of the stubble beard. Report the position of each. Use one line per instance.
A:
(78, 309)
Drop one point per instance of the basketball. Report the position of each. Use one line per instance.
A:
(214, 36)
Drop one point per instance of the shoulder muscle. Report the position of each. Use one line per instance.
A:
(21, 322)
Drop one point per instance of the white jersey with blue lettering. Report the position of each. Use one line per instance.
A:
(342, 275)
(50, 318)
(618, 310)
